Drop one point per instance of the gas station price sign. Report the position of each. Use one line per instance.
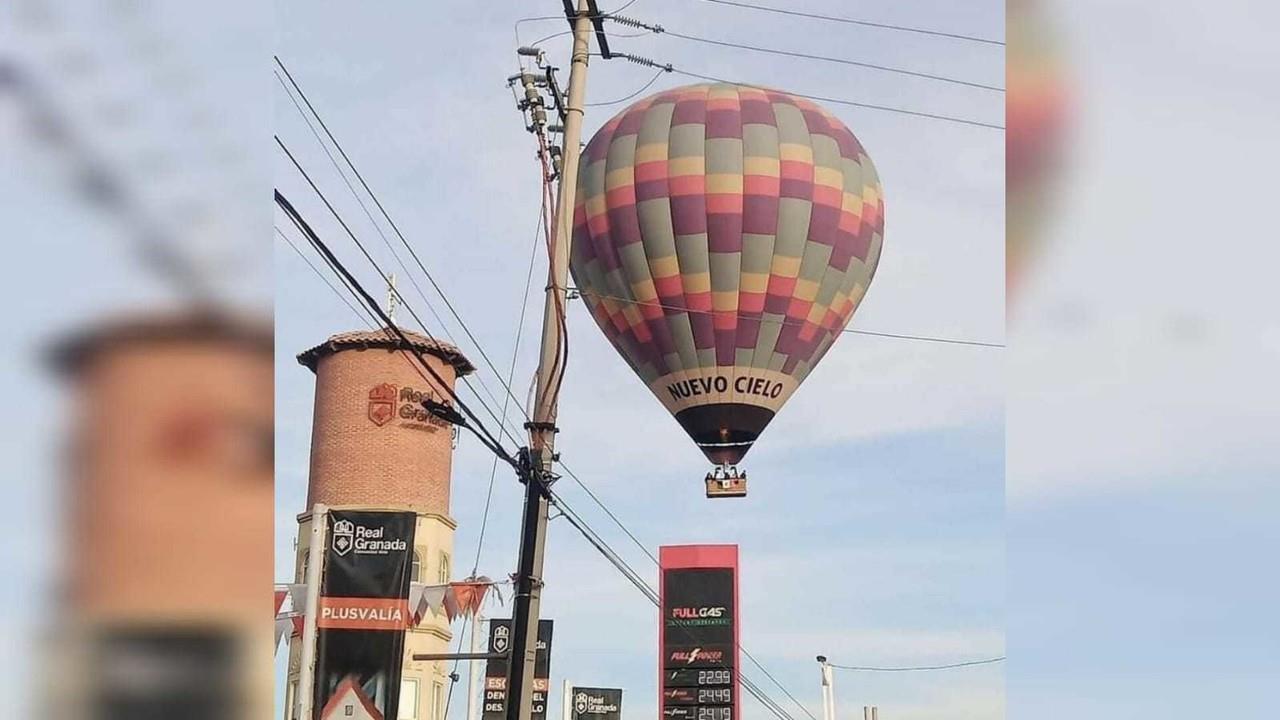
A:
(699, 635)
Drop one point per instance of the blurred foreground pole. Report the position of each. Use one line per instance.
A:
(542, 428)
(172, 423)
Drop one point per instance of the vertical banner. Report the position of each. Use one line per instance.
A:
(587, 703)
(698, 640)
(364, 610)
(495, 672)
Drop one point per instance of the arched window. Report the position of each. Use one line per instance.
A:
(306, 562)
(415, 570)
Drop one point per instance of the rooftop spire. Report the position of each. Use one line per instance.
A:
(391, 297)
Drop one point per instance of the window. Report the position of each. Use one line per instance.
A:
(306, 562)
(444, 568)
(437, 701)
(415, 570)
(408, 700)
(292, 698)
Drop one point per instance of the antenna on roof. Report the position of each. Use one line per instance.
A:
(392, 296)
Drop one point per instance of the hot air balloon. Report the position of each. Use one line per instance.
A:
(1037, 114)
(723, 237)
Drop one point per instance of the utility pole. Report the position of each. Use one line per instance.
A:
(536, 464)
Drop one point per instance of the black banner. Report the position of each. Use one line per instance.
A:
(364, 610)
(698, 636)
(595, 703)
(495, 672)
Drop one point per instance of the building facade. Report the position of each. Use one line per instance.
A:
(374, 447)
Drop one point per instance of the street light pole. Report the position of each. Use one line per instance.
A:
(311, 608)
(828, 690)
(536, 463)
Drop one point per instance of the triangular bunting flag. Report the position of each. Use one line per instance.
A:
(282, 626)
(451, 610)
(298, 591)
(298, 622)
(433, 596)
(469, 594)
(280, 596)
(416, 612)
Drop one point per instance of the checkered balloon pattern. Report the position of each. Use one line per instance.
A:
(724, 231)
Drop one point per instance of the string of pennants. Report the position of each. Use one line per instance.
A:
(454, 600)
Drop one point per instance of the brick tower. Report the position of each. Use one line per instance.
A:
(373, 446)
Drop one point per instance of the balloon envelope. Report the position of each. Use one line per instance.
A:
(723, 237)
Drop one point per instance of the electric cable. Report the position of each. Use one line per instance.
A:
(363, 318)
(624, 7)
(841, 61)
(474, 424)
(647, 62)
(563, 33)
(385, 241)
(561, 363)
(786, 321)
(515, 353)
(644, 87)
(851, 103)
(919, 668)
(853, 21)
(391, 222)
(501, 425)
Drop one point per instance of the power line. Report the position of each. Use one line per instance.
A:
(515, 353)
(798, 323)
(479, 427)
(841, 61)
(392, 223)
(363, 317)
(853, 21)
(644, 87)
(842, 101)
(563, 33)
(516, 25)
(385, 241)
(474, 424)
(970, 663)
(616, 521)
